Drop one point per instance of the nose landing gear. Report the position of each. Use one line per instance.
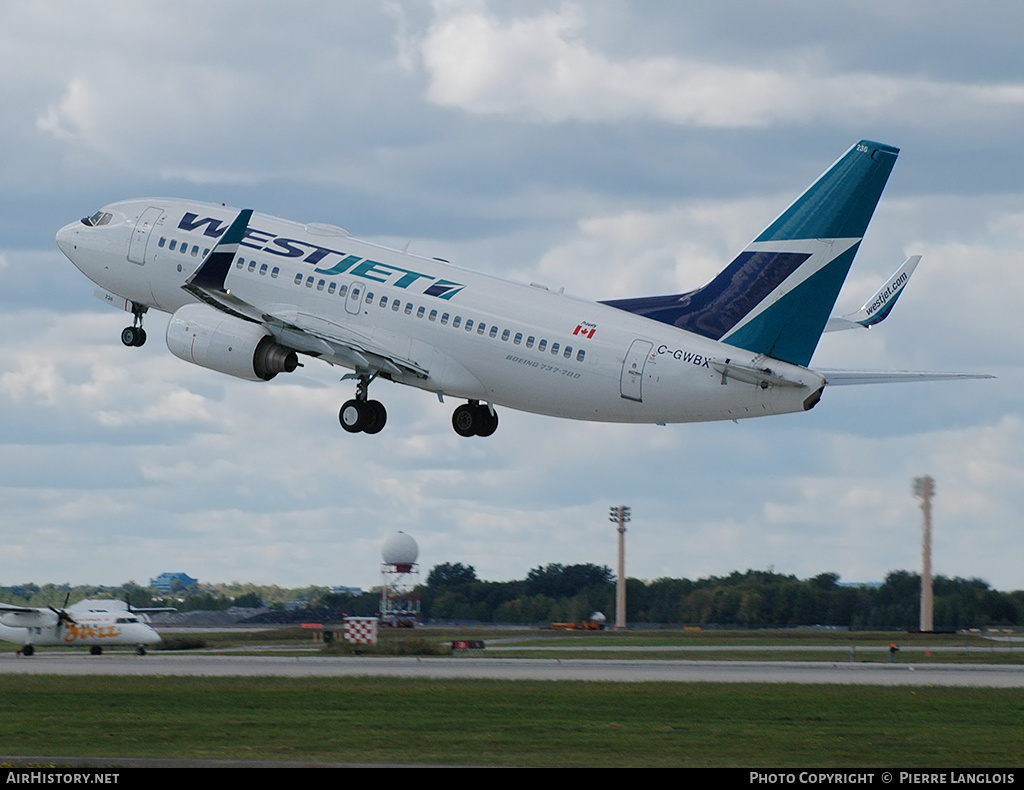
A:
(360, 415)
(135, 335)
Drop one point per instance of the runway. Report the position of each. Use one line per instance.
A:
(626, 671)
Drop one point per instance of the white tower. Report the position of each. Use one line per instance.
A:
(924, 489)
(399, 596)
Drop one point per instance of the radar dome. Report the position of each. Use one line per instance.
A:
(401, 550)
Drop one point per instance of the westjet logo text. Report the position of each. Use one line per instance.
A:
(888, 293)
(326, 260)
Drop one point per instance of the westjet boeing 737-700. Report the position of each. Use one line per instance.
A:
(248, 293)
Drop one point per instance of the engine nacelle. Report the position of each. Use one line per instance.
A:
(205, 336)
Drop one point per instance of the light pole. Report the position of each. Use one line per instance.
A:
(620, 515)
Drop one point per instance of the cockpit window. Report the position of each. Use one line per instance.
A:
(97, 219)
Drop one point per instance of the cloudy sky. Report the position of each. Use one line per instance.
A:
(614, 148)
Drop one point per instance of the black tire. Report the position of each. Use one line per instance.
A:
(488, 421)
(377, 416)
(140, 337)
(140, 651)
(129, 336)
(96, 650)
(353, 416)
(28, 650)
(466, 420)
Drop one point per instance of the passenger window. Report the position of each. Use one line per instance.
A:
(457, 321)
(320, 285)
(163, 240)
(433, 315)
(275, 271)
(252, 264)
(195, 250)
(529, 342)
(554, 348)
(580, 354)
(396, 305)
(332, 287)
(309, 281)
(263, 269)
(469, 324)
(568, 352)
(383, 301)
(481, 328)
(420, 312)
(343, 290)
(369, 297)
(518, 338)
(174, 244)
(298, 278)
(240, 263)
(505, 334)
(444, 318)
(408, 308)
(542, 345)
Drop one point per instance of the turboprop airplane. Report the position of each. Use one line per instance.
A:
(90, 623)
(248, 293)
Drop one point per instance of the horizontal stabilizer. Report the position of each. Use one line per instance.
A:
(838, 377)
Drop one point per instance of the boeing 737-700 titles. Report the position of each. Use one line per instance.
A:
(248, 293)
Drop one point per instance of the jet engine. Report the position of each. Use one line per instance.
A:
(205, 336)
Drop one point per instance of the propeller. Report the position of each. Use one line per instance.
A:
(62, 615)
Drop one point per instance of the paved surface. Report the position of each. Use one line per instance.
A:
(639, 670)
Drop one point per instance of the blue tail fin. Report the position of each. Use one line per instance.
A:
(776, 296)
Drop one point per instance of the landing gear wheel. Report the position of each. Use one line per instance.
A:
(133, 336)
(28, 650)
(140, 651)
(377, 416)
(353, 416)
(466, 420)
(96, 650)
(488, 421)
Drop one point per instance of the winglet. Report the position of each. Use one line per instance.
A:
(212, 272)
(877, 308)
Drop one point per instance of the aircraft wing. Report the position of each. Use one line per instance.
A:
(877, 308)
(296, 330)
(837, 377)
(9, 607)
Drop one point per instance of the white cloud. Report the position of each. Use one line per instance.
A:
(542, 68)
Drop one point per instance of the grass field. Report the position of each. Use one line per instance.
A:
(513, 723)
(532, 723)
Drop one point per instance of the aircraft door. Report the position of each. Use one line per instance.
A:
(140, 236)
(632, 378)
(354, 300)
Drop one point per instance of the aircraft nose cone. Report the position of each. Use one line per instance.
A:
(65, 238)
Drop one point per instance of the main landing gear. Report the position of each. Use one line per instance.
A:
(135, 335)
(474, 419)
(360, 415)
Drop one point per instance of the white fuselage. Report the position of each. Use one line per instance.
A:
(538, 351)
(89, 629)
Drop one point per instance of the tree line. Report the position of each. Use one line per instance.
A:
(557, 593)
(572, 593)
